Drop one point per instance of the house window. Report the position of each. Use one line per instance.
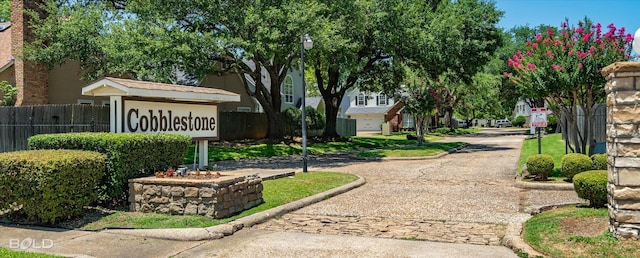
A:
(106, 103)
(382, 99)
(407, 120)
(288, 90)
(85, 101)
(361, 100)
(244, 109)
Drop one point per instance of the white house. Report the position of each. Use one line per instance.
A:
(372, 109)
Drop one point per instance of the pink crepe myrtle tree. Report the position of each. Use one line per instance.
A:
(563, 66)
(422, 100)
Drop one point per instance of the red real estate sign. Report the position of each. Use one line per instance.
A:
(538, 117)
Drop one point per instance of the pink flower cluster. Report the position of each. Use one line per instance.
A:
(568, 50)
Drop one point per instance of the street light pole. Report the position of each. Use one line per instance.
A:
(305, 43)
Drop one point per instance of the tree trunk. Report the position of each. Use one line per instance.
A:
(274, 119)
(331, 116)
(419, 121)
(332, 93)
(450, 118)
(575, 133)
(591, 135)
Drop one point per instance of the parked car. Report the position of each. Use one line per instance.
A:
(502, 123)
(461, 123)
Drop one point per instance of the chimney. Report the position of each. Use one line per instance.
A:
(31, 77)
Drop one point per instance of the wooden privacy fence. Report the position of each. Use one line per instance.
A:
(346, 127)
(17, 124)
(242, 125)
(600, 123)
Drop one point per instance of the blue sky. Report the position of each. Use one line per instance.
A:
(552, 12)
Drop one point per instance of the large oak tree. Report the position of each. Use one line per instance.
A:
(157, 40)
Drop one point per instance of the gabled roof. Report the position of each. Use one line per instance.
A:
(6, 59)
(313, 102)
(109, 86)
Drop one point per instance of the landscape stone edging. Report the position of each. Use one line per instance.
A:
(540, 208)
(220, 231)
(355, 156)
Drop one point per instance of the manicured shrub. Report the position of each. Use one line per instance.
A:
(129, 155)
(599, 161)
(50, 185)
(519, 121)
(540, 165)
(292, 120)
(443, 130)
(592, 185)
(574, 163)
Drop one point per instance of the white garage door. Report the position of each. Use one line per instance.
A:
(369, 124)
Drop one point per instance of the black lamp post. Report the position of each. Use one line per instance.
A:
(305, 43)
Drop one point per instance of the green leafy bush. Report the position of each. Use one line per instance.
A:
(519, 121)
(540, 165)
(292, 120)
(129, 155)
(443, 130)
(592, 185)
(9, 93)
(574, 163)
(50, 185)
(552, 123)
(599, 161)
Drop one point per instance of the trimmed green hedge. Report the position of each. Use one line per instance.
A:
(599, 161)
(574, 163)
(592, 185)
(540, 165)
(129, 155)
(50, 185)
(519, 121)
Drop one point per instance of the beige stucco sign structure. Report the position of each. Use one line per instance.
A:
(149, 107)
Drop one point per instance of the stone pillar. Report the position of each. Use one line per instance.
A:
(623, 148)
(31, 78)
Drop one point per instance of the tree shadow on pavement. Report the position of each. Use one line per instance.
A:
(483, 147)
(293, 162)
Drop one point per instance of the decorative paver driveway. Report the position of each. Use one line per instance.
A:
(464, 197)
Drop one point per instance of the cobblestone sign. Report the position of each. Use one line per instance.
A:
(623, 148)
(217, 198)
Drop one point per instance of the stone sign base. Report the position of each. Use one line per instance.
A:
(216, 197)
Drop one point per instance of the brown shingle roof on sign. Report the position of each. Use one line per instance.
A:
(5, 44)
(169, 87)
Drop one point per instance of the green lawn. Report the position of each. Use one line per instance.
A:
(275, 193)
(552, 144)
(428, 149)
(10, 253)
(217, 153)
(560, 233)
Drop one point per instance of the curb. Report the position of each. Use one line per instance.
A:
(513, 236)
(513, 241)
(355, 156)
(544, 186)
(220, 231)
